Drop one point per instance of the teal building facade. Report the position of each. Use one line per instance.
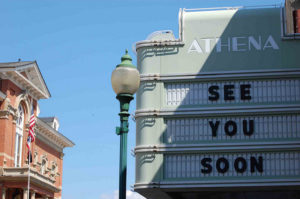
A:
(218, 109)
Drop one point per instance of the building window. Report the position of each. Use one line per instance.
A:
(291, 19)
(54, 169)
(35, 158)
(19, 136)
(43, 167)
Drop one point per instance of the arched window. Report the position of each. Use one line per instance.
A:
(19, 136)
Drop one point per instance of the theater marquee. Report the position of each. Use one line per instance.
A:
(219, 108)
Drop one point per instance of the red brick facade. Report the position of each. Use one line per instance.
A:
(47, 150)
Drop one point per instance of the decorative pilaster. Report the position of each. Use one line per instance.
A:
(32, 195)
(3, 192)
(25, 193)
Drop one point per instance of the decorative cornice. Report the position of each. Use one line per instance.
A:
(47, 139)
(49, 134)
(25, 84)
(34, 82)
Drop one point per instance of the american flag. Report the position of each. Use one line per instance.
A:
(31, 135)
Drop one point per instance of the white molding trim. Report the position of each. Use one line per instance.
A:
(223, 75)
(7, 156)
(218, 183)
(29, 83)
(219, 147)
(216, 111)
(160, 44)
(17, 83)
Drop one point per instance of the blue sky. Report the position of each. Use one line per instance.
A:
(77, 44)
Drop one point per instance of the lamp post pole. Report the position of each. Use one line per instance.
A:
(123, 131)
(125, 81)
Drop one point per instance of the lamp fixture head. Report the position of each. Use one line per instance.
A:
(125, 79)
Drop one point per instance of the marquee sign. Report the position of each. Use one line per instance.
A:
(233, 92)
(268, 128)
(228, 165)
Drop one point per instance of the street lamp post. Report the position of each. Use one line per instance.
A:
(125, 80)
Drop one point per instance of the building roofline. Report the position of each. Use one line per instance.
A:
(232, 8)
(179, 41)
(65, 141)
(41, 75)
(17, 66)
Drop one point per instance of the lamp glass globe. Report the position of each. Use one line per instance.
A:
(125, 80)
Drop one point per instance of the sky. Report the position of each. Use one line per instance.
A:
(77, 44)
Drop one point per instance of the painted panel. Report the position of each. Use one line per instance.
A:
(232, 129)
(233, 92)
(239, 165)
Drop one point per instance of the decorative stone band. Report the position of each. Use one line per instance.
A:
(248, 165)
(9, 110)
(7, 156)
(159, 44)
(268, 128)
(21, 173)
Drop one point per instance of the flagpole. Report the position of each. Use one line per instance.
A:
(28, 186)
(29, 141)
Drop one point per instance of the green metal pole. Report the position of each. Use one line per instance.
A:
(123, 131)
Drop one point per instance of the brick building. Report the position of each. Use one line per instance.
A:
(21, 86)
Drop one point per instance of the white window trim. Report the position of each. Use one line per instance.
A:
(19, 137)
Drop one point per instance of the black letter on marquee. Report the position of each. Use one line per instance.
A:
(205, 163)
(245, 92)
(258, 165)
(228, 92)
(234, 128)
(213, 90)
(244, 165)
(214, 127)
(226, 165)
(251, 127)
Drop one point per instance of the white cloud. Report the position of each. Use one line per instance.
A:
(115, 195)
